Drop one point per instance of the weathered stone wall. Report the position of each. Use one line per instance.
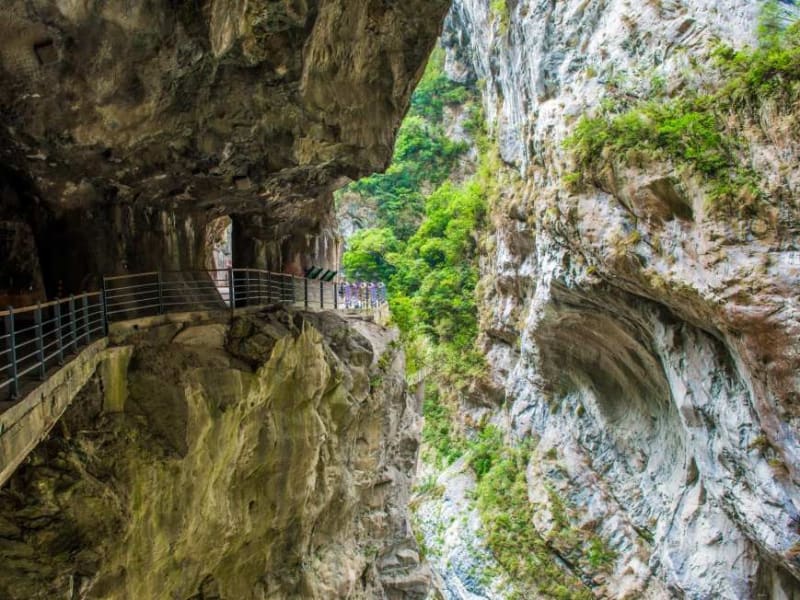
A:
(646, 341)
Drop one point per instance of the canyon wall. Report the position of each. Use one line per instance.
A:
(127, 127)
(266, 459)
(643, 337)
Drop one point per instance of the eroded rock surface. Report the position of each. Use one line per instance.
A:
(126, 126)
(646, 341)
(274, 466)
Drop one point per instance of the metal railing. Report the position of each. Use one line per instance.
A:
(144, 294)
(36, 338)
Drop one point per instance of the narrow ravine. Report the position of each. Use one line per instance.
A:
(585, 215)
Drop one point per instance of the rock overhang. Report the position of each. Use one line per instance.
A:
(117, 112)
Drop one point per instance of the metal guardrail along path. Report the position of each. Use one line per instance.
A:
(36, 338)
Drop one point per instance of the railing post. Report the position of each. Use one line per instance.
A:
(104, 307)
(59, 336)
(103, 313)
(269, 287)
(322, 294)
(335, 296)
(37, 315)
(12, 353)
(160, 294)
(85, 306)
(305, 292)
(231, 289)
(72, 326)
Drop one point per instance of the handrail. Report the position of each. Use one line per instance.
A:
(27, 344)
(27, 309)
(130, 275)
(34, 338)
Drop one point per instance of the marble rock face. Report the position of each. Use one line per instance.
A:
(649, 343)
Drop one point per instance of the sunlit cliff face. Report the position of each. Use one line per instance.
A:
(643, 331)
(268, 458)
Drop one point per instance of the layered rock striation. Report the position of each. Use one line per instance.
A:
(646, 339)
(126, 128)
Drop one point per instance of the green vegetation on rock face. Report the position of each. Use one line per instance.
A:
(500, 11)
(433, 291)
(692, 130)
(424, 246)
(424, 156)
(443, 446)
(687, 132)
(544, 563)
(551, 563)
(770, 71)
(366, 258)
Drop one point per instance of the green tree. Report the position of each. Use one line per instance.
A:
(368, 255)
(424, 156)
(437, 268)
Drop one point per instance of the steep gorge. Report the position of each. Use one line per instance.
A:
(268, 456)
(610, 317)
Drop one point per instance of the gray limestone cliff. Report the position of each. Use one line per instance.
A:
(649, 344)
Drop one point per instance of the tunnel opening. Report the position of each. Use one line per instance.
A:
(219, 252)
(21, 273)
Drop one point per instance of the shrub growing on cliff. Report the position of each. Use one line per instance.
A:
(754, 75)
(691, 131)
(443, 443)
(368, 255)
(685, 131)
(681, 130)
(436, 274)
(500, 11)
(509, 516)
(436, 90)
(424, 155)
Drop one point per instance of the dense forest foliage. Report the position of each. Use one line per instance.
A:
(424, 244)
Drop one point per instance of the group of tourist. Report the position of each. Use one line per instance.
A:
(362, 294)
